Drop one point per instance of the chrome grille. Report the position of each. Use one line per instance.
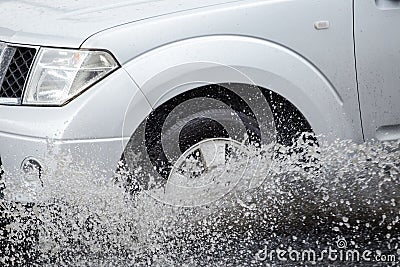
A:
(15, 64)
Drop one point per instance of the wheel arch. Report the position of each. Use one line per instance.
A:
(173, 69)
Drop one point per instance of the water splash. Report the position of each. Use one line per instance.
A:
(340, 191)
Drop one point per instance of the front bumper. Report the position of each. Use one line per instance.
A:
(86, 137)
(59, 160)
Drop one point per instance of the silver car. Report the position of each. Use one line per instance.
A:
(144, 84)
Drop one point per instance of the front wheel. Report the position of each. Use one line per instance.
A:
(178, 149)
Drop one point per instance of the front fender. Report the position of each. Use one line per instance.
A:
(181, 66)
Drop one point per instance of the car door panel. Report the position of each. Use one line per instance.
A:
(377, 44)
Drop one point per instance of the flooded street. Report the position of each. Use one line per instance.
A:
(341, 208)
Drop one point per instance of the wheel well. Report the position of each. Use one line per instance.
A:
(289, 121)
(289, 124)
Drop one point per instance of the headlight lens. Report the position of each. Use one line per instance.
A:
(60, 74)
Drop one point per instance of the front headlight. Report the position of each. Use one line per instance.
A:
(59, 75)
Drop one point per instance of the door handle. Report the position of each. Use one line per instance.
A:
(387, 4)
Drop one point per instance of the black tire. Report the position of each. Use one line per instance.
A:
(210, 112)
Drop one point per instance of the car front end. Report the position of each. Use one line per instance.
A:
(59, 104)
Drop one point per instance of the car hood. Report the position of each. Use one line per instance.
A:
(69, 23)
